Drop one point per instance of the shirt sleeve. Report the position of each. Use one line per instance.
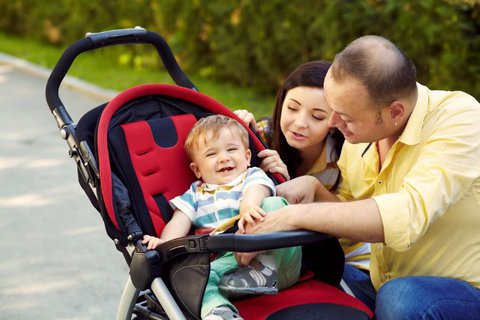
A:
(186, 202)
(258, 176)
(446, 167)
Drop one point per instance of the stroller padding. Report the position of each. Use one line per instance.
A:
(317, 300)
(157, 155)
(191, 96)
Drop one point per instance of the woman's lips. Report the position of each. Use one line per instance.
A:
(297, 136)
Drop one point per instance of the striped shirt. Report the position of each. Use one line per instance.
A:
(209, 205)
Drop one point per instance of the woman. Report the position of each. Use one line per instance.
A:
(303, 144)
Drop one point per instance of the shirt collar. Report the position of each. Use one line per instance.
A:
(327, 155)
(411, 133)
(212, 186)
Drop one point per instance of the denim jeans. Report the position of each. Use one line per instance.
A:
(425, 298)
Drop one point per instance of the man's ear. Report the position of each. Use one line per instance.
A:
(195, 170)
(396, 111)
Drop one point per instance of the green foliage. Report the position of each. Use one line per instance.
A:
(255, 43)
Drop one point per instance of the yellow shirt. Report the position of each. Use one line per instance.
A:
(326, 171)
(428, 191)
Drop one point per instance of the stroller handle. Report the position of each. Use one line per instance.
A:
(108, 38)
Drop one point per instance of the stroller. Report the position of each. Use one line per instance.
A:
(133, 145)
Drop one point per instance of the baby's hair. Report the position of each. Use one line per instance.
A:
(210, 127)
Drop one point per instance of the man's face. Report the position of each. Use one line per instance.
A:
(353, 111)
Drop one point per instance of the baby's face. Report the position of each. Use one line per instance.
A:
(220, 160)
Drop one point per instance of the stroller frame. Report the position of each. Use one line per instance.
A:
(144, 265)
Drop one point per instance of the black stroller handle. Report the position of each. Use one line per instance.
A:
(109, 38)
(238, 242)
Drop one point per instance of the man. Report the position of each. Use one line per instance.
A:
(410, 184)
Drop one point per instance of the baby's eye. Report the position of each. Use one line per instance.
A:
(232, 149)
(210, 154)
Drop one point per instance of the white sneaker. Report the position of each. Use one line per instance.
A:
(222, 313)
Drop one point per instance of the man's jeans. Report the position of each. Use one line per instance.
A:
(416, 297)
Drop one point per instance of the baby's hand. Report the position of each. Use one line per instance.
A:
(249, 214)
(152, 242)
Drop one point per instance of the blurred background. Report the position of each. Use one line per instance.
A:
(240, 51)
(58, 262)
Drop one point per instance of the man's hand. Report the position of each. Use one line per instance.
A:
(279, 220)
(299, 190)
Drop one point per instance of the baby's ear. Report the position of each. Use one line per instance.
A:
(195, 170)
(248, 155)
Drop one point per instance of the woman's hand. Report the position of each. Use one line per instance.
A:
(272, 163)
(248, 118)
(299, 190)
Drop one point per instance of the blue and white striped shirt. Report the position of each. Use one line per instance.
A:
(209, 205)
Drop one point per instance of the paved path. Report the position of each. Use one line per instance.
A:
(56, 260)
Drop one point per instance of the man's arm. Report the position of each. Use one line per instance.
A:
(356, 220)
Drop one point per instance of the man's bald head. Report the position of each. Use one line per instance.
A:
(386, 72)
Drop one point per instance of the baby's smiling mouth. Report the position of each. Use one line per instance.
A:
(226, 169)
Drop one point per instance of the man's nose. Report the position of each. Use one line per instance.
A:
(334, 120)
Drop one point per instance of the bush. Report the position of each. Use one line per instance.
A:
(257, 43)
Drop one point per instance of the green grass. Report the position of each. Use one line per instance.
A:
(103, 68)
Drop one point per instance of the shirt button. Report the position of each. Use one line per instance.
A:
(379, 182)
(384, 277)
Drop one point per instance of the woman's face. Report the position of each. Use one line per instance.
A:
(304, 118)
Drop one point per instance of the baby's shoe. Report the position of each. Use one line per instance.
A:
(222, 313)
(255, 278)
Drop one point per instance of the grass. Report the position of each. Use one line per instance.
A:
(98, 67)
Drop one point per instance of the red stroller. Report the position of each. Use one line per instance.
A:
(133, 145)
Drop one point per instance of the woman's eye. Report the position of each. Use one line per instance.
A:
(319, 118)
(292, 108)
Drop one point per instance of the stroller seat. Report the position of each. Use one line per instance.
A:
(133, 147)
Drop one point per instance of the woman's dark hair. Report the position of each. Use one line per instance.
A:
(310, 74)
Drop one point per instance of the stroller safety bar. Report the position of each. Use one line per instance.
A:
(147, 264)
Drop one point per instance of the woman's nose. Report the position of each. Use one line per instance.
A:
(300, 121)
